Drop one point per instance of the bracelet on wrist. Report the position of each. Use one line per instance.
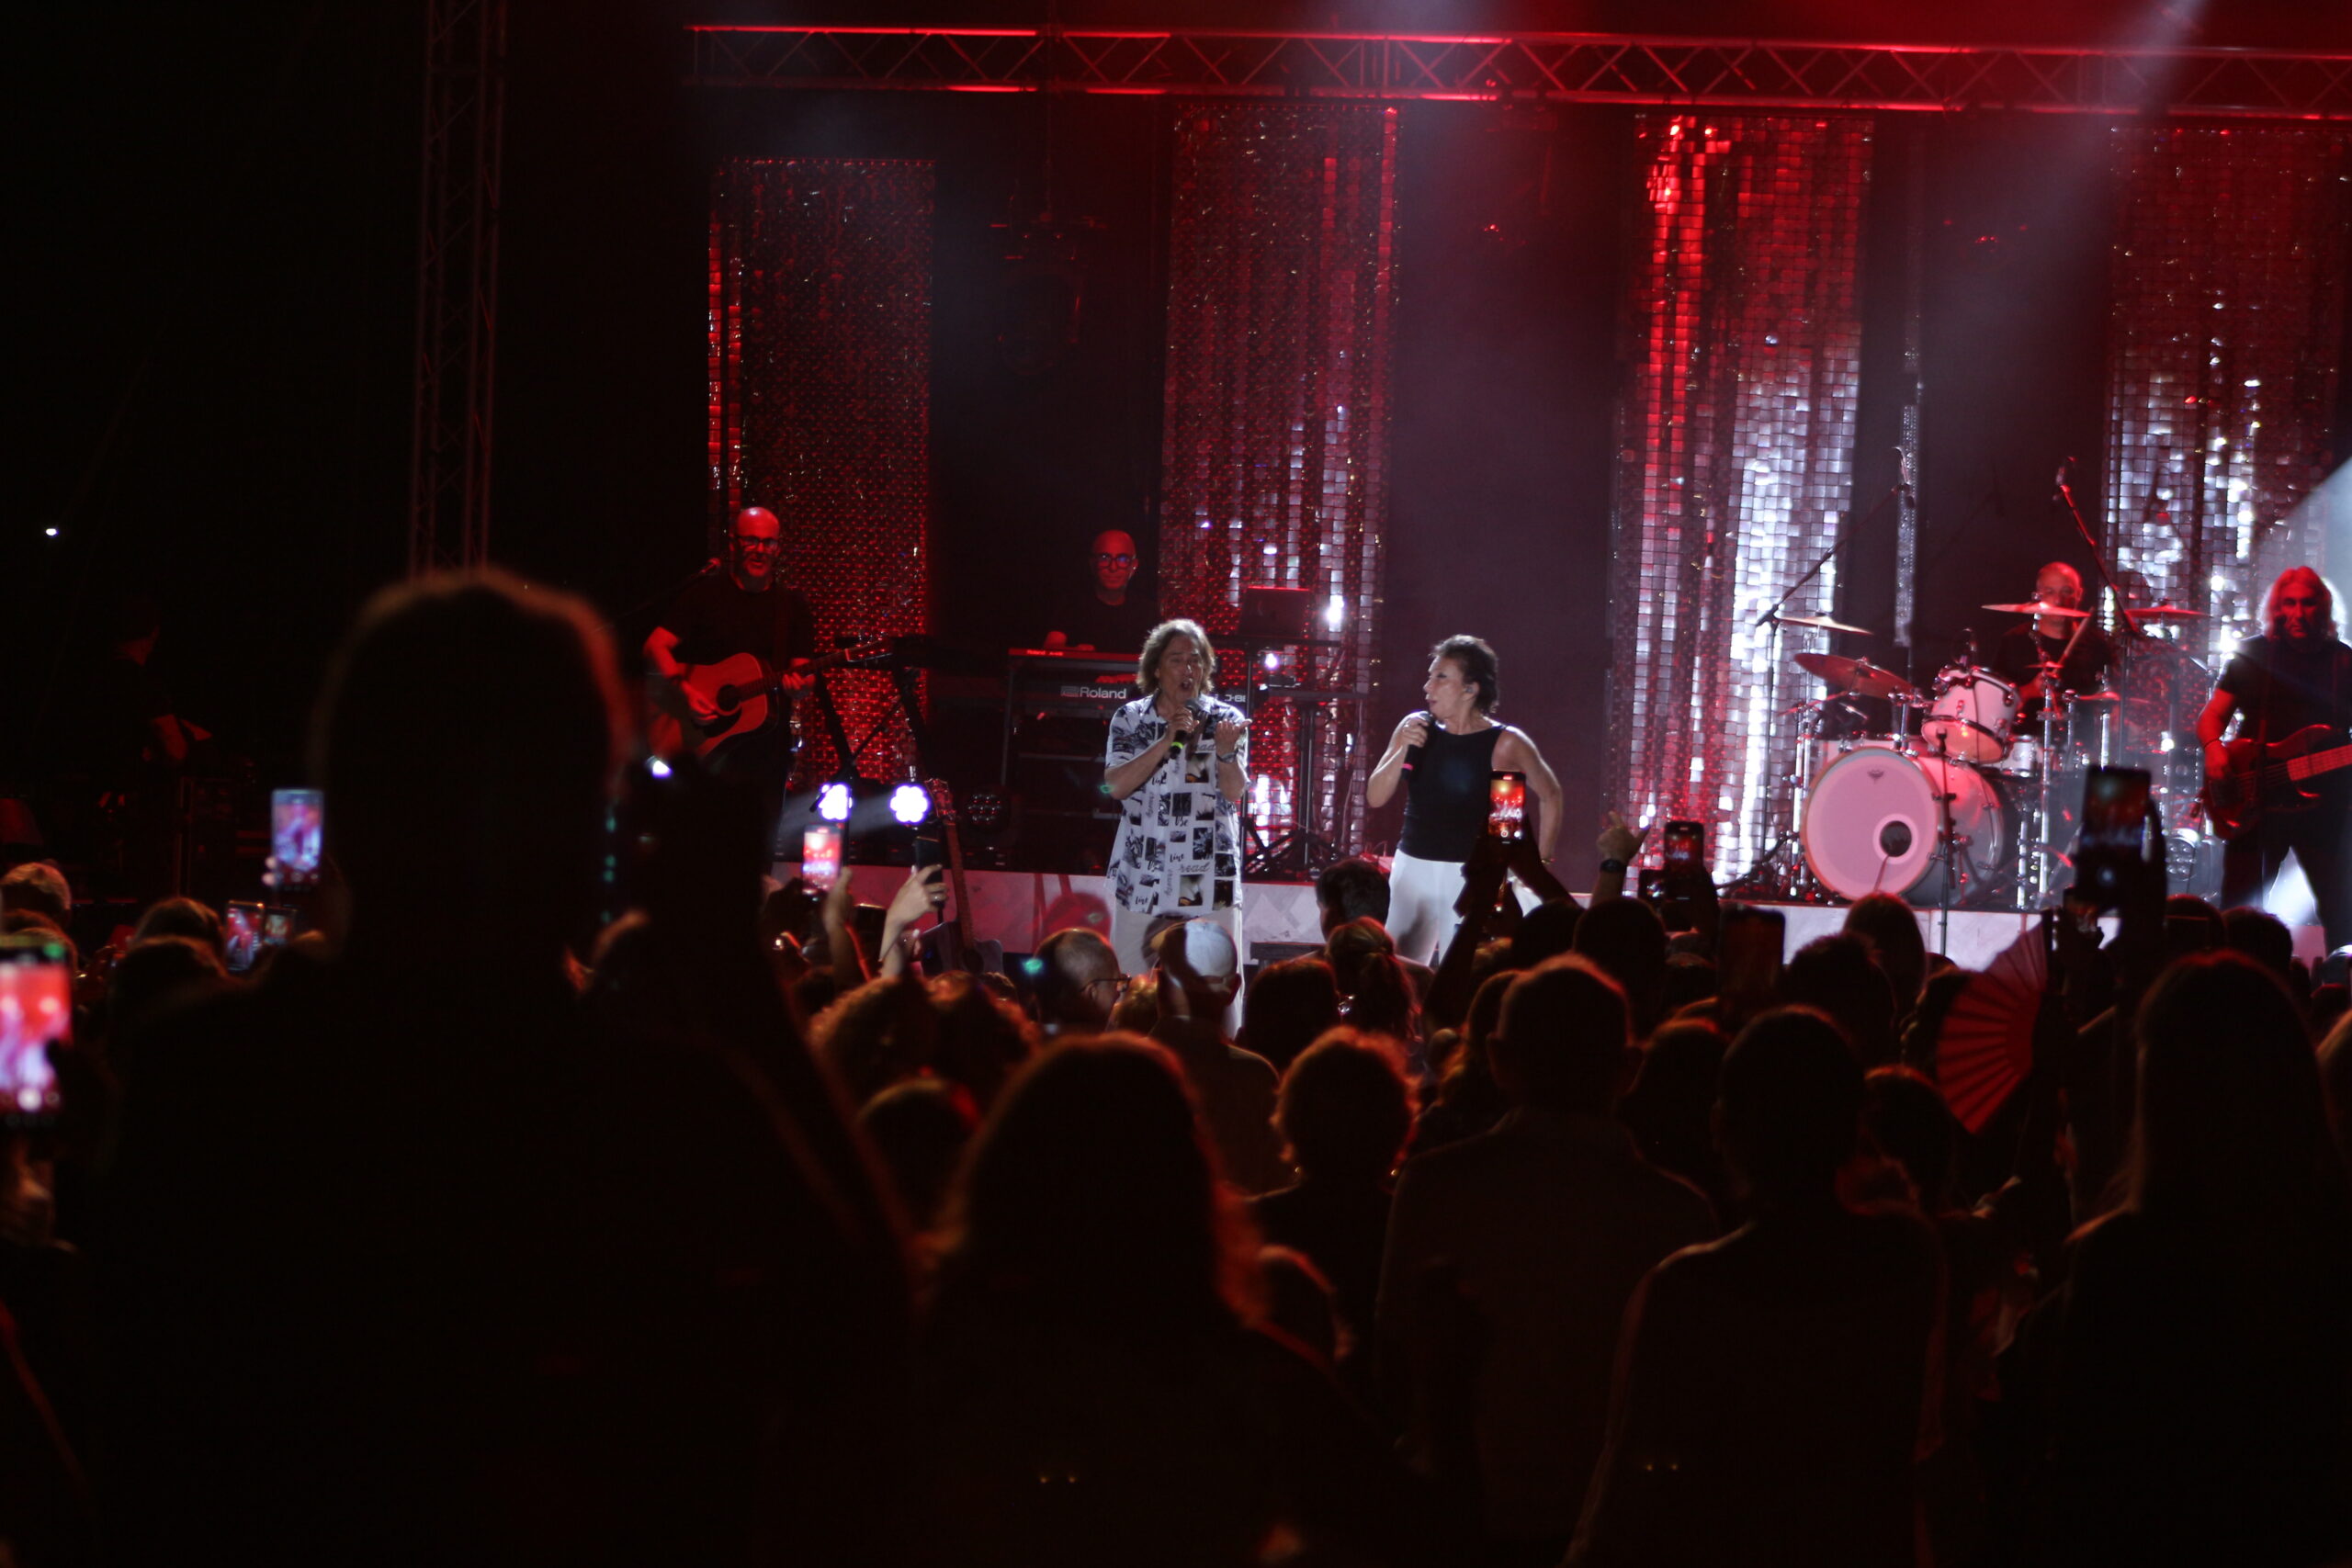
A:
(1613, 867)
(1228, 756)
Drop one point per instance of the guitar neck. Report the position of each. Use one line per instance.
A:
(2319, 762)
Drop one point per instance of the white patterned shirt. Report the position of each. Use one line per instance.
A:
(1178, 845)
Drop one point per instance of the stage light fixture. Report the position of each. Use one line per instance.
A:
(1335, 611)
(657, 767)
(832, 803)
(910, 802)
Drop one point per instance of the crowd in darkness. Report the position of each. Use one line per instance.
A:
(473, 1233)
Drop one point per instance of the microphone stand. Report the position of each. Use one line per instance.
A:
(2099, 557)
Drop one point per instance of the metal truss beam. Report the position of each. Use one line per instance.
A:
(457, 285)
(1532, 67)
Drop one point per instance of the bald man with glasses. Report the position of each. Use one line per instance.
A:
(1118, 611)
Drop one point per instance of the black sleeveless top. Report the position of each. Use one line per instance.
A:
(1448, 792)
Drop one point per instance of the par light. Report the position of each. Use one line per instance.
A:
(910, 802)
(832, 803)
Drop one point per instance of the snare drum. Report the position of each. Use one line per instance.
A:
(2023, 758)
(1970, 720)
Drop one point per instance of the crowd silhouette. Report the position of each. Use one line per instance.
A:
(496, 1224)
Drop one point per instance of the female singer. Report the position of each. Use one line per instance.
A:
(1445, 756)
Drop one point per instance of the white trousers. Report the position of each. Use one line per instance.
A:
(1421, 895)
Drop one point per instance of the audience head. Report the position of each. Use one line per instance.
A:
(1379, 993)
(2191, 925)
(17, 923)
(1091, 1194)
(158, 975)
(184, 917)
(1078, 981)
(920, 1129)
(1626, 940)
(882, 1032)
(1838, 975)
(2230, 1119)
(1564, 1038)
(1351, 889)
(1788, 1106)
(39, 887)
(981, 1038)
(1669, 1108)
(2261, 936)
(1200, 957)
(1689, 978)
(1906, 1121)
(1891, 930)
(1545, 931)
(1137, 1009)
(1289, 1006)
(1344, 1109)
(464, 805)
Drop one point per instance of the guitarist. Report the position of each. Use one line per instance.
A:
(741, 609)
(2296, 676)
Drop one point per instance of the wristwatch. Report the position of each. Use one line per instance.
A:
(1615, 867)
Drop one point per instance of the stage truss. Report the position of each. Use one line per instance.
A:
(1531, 67)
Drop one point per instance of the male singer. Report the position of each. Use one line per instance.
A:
(1178, 763)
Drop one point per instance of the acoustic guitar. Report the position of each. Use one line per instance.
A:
(2261, 778)
(744, 691)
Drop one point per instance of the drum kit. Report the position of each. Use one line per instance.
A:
(1964, 800)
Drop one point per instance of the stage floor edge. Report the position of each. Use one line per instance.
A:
(1021, 909)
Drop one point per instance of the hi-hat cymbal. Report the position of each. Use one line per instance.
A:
(2035, 607)
(1857, 675)
(2166, 612)
(1823, 623)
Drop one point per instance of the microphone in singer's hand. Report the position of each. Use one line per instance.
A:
(1413, 752)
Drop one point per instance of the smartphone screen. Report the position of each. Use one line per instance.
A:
(1684, 845)
(821, 856)
(36, 1009)
(2115, 832)
(279, 926)
(241, 934)
(296, 817)
(1507, 808)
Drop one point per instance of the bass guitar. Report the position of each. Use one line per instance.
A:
(2262, 778)
(744, 690)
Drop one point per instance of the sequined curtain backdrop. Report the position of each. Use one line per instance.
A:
(2228, 273)
(819, 405)
(1281, 280)
(1742, 344)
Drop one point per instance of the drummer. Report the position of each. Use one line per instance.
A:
(2026, 648)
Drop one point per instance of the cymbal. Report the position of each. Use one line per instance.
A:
(1857, 675)
(2166, 612)
(2036, 607)
(1823, 623)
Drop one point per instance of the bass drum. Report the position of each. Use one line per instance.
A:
(1870, 824)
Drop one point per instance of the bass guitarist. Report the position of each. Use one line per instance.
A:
(741, 610)
(2291, 690)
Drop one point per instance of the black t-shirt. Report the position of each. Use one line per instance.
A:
(1088, 622)
(713, 619)
(2281, 688)
(2017, 657)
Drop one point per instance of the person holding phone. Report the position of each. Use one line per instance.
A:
(1445, 758)
(2298, 674)
(1177, 763)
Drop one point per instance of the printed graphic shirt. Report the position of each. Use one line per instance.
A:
(1179, 846)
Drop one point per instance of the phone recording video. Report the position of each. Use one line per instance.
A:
(296, 818)
(821, 856)
(1507, 808)
(280, 926)
(1748, 946)
(2113, 847)
(36, 1010)
(241, 934)
(1684, 846)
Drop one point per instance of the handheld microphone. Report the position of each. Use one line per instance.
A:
(1413, 754)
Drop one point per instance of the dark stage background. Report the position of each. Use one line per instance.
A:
(214, 337)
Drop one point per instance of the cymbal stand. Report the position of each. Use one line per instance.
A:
(1947, 849)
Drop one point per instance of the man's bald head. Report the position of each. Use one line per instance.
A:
(1115, 560)
(753, 543)
(1079, 984)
